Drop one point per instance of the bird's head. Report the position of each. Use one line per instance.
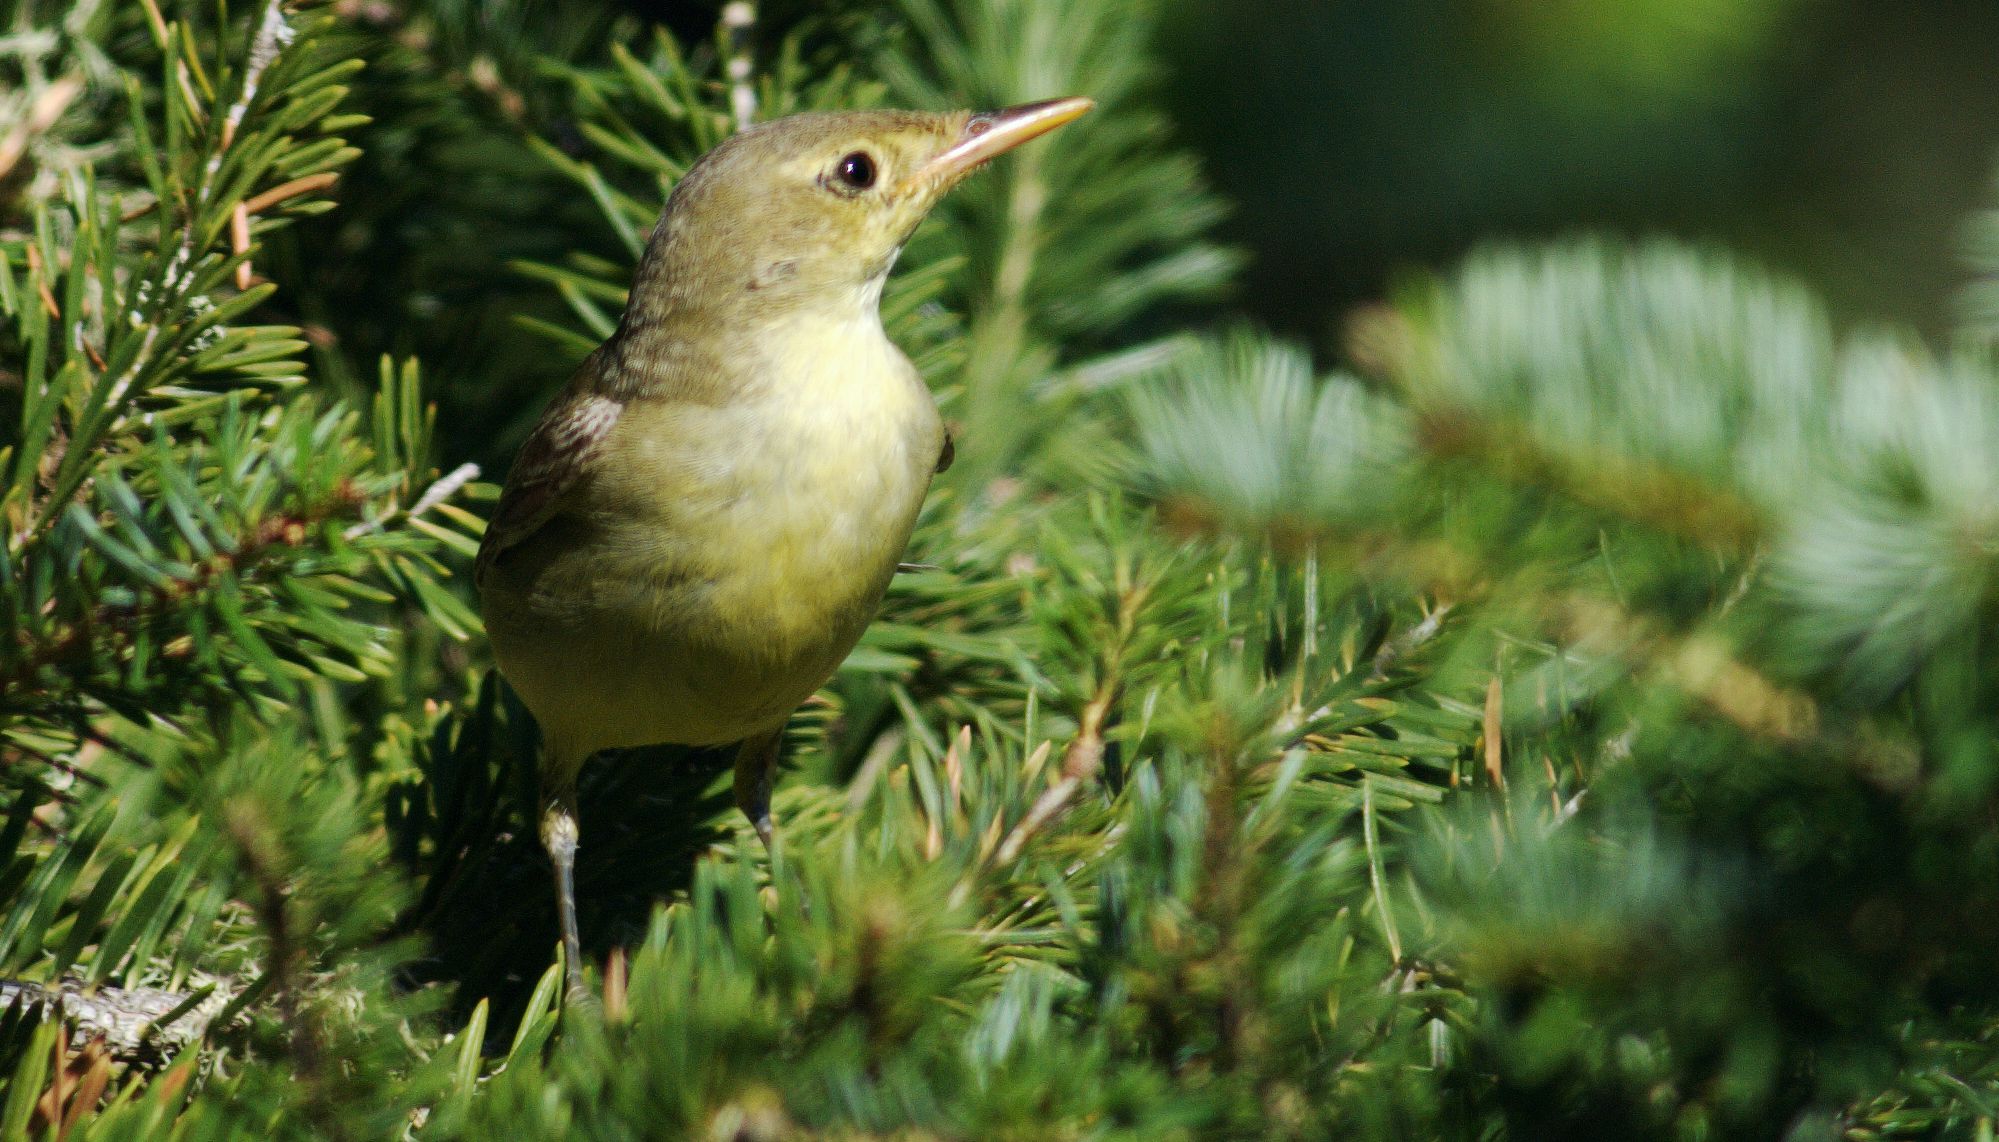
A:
(812, 209)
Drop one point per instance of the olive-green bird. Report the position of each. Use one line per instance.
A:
(706, 517)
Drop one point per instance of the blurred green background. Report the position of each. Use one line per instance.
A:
(1842, 140)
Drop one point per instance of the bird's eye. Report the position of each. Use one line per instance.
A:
(857, 170)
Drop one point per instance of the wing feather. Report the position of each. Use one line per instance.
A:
(556, 456)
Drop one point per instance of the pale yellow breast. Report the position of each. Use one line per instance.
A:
(726, 552)
(794, 500)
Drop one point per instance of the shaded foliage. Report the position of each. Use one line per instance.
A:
(1574, 724)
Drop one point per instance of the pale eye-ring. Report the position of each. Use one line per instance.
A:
(856, 170)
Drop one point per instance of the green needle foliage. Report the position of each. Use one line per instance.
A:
(1576, 721)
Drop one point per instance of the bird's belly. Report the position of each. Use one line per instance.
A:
(736, 599)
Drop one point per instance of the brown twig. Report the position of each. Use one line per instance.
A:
(1490, 730)
(617, 1008)
(281, 531)
(37, 269)
(285, 191)
(1644, 491)
(1700, 665)
(239, 244)
(263, 859)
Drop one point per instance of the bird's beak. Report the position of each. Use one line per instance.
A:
(990, 133)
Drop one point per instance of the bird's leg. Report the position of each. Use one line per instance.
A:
(756, 770)
(559, 835)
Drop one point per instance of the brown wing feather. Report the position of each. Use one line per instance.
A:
(557, 454)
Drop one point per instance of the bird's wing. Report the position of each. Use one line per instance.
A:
(557, 455)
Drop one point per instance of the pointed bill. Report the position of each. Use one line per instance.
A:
(990, 133)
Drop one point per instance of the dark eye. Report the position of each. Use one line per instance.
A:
(857, 170)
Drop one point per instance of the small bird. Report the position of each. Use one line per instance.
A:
(706, 517)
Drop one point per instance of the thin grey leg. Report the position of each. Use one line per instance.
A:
(559, 835)
(756, 770)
